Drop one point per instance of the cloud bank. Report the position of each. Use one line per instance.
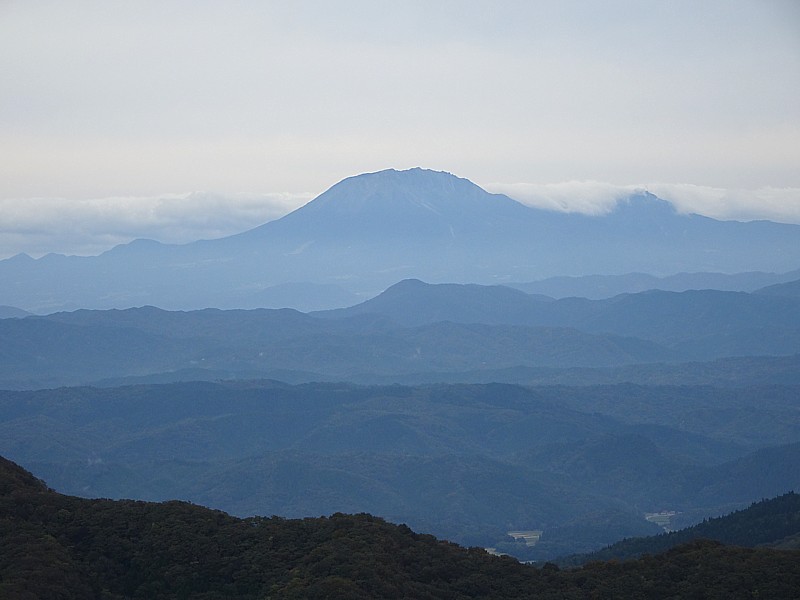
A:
(594, 197)
(38, 226)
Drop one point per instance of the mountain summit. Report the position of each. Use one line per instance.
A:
(414, 189)
(370, 231)
(414, 204)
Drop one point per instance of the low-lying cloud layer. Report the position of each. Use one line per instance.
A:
(38, 226)
(594, 197)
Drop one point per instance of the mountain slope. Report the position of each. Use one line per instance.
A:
(790, 289)
(64, 547)
(767, 522)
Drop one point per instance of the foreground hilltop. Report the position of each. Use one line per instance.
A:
(372, 230)
(57, 546)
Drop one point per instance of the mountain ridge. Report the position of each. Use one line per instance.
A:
(599, 287)
(659, 316)
(413, 328)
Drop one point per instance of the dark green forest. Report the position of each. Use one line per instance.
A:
(57, 546)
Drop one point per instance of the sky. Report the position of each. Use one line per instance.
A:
(180, 120)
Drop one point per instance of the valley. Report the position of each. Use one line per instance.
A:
(465, 462)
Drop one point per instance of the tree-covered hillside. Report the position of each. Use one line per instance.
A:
(64, 547)
(765, 523)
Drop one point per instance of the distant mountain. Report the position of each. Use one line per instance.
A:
(722, 414)
(699, 325)
(11, 312)
(790, 289)
(407, 207)
(599, 287)
(413, 302)
(724, 372)
(86, 346)
(372, 230)
(413, 332)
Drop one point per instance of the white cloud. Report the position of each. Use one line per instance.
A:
(589, 197)
(37, 226)
(594, 197)
(771, 203)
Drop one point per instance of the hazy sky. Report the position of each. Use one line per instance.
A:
(111, 113)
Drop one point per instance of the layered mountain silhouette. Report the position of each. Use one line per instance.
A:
(414, 331)
(370, 231)
(697, 323)
(599, 287)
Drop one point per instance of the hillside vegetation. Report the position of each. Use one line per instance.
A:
(768, 523)
(64, 547)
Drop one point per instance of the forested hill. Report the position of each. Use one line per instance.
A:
(57, 546)
(773, 522)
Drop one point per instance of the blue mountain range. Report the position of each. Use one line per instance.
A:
(370, 231)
